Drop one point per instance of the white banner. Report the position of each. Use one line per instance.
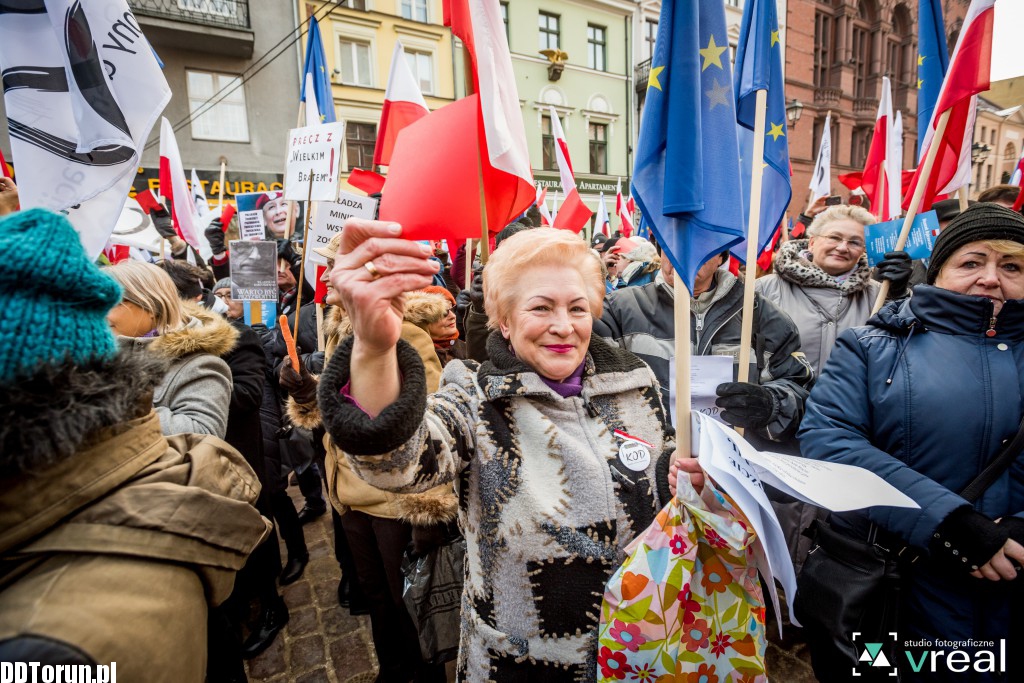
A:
(82, 92)
(314, 156)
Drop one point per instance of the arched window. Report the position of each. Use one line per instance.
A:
(1010, 152)
(862, 47)
(900, 58)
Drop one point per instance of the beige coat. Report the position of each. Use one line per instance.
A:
(118, 550)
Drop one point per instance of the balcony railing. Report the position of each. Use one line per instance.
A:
(641, 73)
(225, 13)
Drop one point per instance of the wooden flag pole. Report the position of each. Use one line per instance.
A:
(962, 196)
(320, 341)
(223, 175)
(683, 352)
(753, 228)
(484, 230)
(302, 263)
(915, 201)
(469, 263)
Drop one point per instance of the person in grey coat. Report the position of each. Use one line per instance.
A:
(824, 283)
(195, 394)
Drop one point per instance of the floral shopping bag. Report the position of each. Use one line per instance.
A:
(686, 606)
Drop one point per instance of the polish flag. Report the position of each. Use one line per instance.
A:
(624, 210)
(507, 176)
(542, 206)
(403, 104)
(969, 73)
(1015, 179)
(174, 188)
(876, 168)
(574, 213)
(602, 223)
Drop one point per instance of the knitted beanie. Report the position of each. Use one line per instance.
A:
(983, 221)
(223, 283)
(55, 300)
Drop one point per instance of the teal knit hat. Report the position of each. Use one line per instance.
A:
(53, 299)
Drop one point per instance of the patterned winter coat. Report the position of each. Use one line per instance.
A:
(546, 506)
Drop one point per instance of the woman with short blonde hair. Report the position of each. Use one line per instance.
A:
(548, 503)
(195, 394)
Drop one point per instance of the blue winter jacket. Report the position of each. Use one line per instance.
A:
(924, 398)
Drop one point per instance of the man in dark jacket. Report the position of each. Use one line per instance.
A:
(640, 319)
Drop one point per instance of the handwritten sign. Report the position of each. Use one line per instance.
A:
(314, 155)
(253, 270)
(330, 216)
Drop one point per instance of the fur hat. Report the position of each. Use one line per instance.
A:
(55, 298)
(983, 221)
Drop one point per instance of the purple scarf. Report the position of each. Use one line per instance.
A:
(572, 386)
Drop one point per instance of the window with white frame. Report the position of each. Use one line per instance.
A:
(355, 62)
(226, 120)
(415, 10)
(422, 66)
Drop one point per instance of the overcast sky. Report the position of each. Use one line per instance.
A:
(1007, 54)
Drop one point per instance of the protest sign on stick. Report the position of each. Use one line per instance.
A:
(253, 270)
(314, 157)
(330, 216)
(252, 224)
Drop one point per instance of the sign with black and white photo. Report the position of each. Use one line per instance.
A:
(330, 216)
(314, 155)
(251, 221)
(253, 270)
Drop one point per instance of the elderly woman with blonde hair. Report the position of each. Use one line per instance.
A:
(824, 282)
(533, 437)
(195, 394)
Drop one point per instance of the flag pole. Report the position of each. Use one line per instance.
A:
(962, 196)
(915, 201)
(753, 227)
(683, 352)
(220, 195)
(469, 262)
(302, 263)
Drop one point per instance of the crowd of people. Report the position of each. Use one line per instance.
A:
(150, 435)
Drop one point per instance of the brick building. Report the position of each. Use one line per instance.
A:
(836, 55)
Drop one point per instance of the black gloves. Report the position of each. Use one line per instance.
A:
(287, 252)
(476, 289)
(215, 236)
(967, 539)
(897, 268)
(300, 385)
(161, 218)
(746, 405)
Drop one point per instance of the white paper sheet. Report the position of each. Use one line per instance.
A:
(706, 373)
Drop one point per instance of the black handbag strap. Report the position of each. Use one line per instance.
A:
(995, 469)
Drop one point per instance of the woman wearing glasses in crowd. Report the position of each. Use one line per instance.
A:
(824, 283)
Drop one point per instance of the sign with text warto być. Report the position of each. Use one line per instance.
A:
(314, 155)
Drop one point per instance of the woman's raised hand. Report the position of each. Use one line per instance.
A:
(373, 268)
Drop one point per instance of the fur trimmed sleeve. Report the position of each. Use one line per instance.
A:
(415, 443)
(305, 415)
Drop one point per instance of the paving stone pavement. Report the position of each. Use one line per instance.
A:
(322, 642)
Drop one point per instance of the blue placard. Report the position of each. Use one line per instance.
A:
(269, 310)
(881, 237)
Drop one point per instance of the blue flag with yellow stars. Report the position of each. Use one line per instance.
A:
(316, 64)
(686, 175)
(759, 67)
(932, 62)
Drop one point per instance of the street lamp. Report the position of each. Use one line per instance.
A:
(793, 111)
(979, 152)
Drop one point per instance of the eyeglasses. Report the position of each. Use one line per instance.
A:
(224, 296)
(836, 240)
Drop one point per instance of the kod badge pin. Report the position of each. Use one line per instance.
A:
(634, 453)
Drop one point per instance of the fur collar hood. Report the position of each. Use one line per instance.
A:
(52, 414)
(792, 265)
(423, 308)
(205, 332)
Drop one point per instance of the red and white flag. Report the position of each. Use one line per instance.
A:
(173, 187)
(1015, 177)
(403, 104)
(969, 73)
(574, 213)
(876, 167)
(894, 167)
(542, 206)
(480, 26)
(601, 225)
(624, 210)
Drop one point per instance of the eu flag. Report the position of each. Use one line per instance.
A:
(686, 176)
(316, 64)
(932, 62)
(759, 67)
